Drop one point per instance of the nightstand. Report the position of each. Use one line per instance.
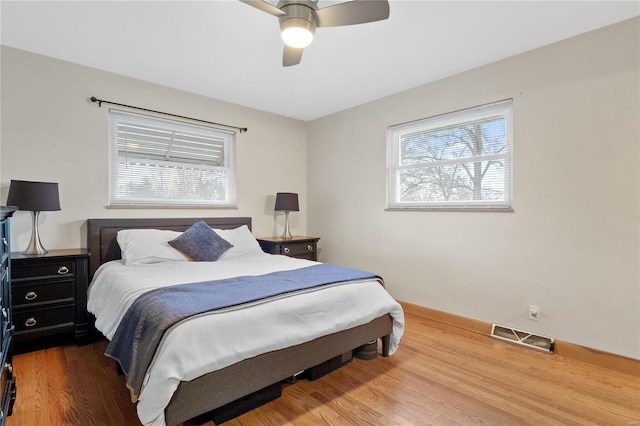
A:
(50, 294)
(299, 246)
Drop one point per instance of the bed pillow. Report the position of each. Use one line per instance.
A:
(243, 242)
(139, 246)
(201, 243)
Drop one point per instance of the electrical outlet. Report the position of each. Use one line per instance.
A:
(534, 313)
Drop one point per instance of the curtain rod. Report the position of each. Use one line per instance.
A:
(101, 101)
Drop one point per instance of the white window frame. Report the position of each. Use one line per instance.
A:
(189, 161)
(395, 167)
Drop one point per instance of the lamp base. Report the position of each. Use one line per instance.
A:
(286, 235)
(37, 251)
(35, 246)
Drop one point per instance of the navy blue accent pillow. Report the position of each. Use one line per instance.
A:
(201, 243)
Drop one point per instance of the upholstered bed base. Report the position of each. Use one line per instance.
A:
(218, 388)
(215, 389)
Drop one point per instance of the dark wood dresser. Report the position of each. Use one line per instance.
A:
(302, 247)
(7, 381)
(50, 294)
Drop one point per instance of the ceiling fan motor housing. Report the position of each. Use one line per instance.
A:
(298, 14)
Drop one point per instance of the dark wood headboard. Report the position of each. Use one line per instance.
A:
(101, 233)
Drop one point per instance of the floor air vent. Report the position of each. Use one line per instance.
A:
(523, 338)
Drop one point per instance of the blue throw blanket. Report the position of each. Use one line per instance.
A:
(143, 325)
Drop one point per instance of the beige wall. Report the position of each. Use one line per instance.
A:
(571, 246)
(52, 132)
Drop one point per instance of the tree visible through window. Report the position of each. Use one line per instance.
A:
(458, 160)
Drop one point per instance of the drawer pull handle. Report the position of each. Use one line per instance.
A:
(4, 241)
(31, 295)
(63, 270)
(310, 247)
(30, 322)
(286, 250)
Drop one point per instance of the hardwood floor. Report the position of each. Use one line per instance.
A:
(441, 375)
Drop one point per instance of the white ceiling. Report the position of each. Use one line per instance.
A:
(230, 51)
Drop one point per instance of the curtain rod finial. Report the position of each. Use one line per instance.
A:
(94, 99)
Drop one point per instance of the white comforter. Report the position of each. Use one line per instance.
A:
(193, 347)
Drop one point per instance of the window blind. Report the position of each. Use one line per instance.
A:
(157, 161)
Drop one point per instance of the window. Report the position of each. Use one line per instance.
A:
(155, 161)
(460, 160)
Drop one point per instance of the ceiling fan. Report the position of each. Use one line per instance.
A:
(299, 19)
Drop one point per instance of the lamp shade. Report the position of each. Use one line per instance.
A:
(286, 202)
(33, 196)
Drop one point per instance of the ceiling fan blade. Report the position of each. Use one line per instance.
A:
(353, 12)
(265, 7)
(291, 56)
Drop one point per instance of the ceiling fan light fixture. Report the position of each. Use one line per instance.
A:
(297, 32)
(299, 19)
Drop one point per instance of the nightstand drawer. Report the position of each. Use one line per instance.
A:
(34, 293)
(298, 249)
(301, 247)
(38, 318)
(41, 270)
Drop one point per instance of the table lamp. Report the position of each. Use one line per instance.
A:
(34, 197)
(286, 202)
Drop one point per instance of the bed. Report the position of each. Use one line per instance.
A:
(219, 387)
